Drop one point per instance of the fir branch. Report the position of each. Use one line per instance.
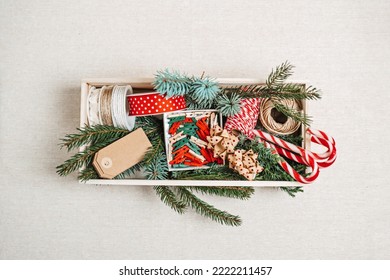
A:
(169, 198)
(292, 191)
(100, 136)
(155, 131)
(272, 170)
(87, 134)
(279, 75)
(157, 169)
(215, 172)
(204, 91)
(193, 105)
(83, 158)
(207, 210)
(131, 171)
(87, 173)
(292, 113)
(229, 104)
(289, 87)
(171, 83)
(312, 93)
(260, 91)
(226, 191)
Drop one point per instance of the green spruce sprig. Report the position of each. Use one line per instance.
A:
(157, 168)
(292, 191)
(207, 210)
(292, 113)
(242, 193)
(88, 134)
(262, 91)
(229, 104)
(94, 138)
(203, 91)
(87, 173)
(279, 75)
(172, 83)
(79, 160)
(169, 198)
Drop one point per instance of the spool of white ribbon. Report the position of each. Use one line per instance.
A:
(93, 106)
(120, 108)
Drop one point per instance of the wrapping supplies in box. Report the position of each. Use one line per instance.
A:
(121, 154)
(154, 103)
(186, 142)
(107, 106)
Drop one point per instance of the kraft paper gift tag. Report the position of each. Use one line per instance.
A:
(122, 154)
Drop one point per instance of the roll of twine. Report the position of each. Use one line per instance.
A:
(275, 121)
(105, 105)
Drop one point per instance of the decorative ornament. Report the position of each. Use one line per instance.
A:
(245, 163)
(221, 142)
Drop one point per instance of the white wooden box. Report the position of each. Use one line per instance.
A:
(146, 84)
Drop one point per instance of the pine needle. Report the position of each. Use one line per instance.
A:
(260, 91)
(172, 83)
(279, 75)
(226, 191)
(169, 198)
(79, 160)
(292, 191)
(87, 134)
(157, 169)
(207, 210)
(87, 173)
(292, 113)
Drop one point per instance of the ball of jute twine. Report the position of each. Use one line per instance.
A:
(275, 121)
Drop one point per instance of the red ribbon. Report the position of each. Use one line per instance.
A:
(153, 103)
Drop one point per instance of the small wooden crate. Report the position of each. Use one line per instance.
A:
(147, 84)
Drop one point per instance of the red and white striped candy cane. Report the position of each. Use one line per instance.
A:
(324, 159)
(304, 158)
(319, 137)
(298, 154)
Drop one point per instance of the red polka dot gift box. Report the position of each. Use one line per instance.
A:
(154, 103)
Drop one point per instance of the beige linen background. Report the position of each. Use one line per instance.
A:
(47, 47)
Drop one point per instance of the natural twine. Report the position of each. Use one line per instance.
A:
(276, 122)
(105, 105)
